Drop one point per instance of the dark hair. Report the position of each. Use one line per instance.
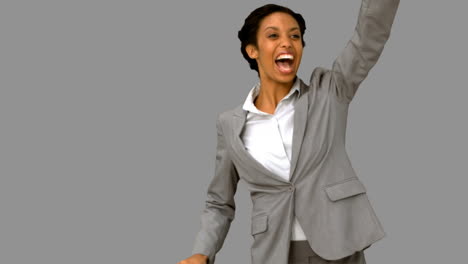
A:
(248, 33)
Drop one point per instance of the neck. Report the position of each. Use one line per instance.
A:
(271, 93)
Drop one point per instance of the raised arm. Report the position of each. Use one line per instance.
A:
(361, 53)
(220, 205)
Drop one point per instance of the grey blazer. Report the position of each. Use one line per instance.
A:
(324, 192)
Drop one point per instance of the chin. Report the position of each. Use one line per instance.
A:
(277, 76)
(286, 78)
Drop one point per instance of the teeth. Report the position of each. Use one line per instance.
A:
(285, 56)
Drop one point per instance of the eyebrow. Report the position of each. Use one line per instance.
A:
(275, 28)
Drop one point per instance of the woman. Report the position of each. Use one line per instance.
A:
(286, 141)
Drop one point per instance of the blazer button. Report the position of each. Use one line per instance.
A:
(291, 188)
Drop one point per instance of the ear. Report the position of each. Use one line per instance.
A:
(251, 51)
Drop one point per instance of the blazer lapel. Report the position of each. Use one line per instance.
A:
(238, 123)
(300, 122)
(300, 119)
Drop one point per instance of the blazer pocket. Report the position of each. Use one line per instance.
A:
(259, 224)
(343, 189)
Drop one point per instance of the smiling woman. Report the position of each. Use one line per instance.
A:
(272, 42)
(286, 141)
(278, 50)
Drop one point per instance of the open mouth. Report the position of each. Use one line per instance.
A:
(285, 63)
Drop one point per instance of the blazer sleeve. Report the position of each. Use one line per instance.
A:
(220, 206)
(363, 50)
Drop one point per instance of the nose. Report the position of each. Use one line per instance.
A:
(286, 42)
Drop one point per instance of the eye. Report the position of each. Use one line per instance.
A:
(296, 36)
(273, 35)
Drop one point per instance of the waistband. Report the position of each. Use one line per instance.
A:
(300, 249)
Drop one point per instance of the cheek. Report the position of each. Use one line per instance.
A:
(266, 50)
(299, 52)
(266, 56)
(300, 55)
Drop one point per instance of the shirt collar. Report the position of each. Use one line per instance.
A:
(250, 106)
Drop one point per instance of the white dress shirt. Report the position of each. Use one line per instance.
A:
(268, 137)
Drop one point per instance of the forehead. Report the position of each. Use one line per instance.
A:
(278, 20)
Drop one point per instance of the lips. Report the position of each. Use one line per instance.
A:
(284, 62)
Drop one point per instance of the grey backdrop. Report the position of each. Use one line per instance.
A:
(108, 113)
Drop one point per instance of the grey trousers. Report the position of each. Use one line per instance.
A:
(300, 252)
